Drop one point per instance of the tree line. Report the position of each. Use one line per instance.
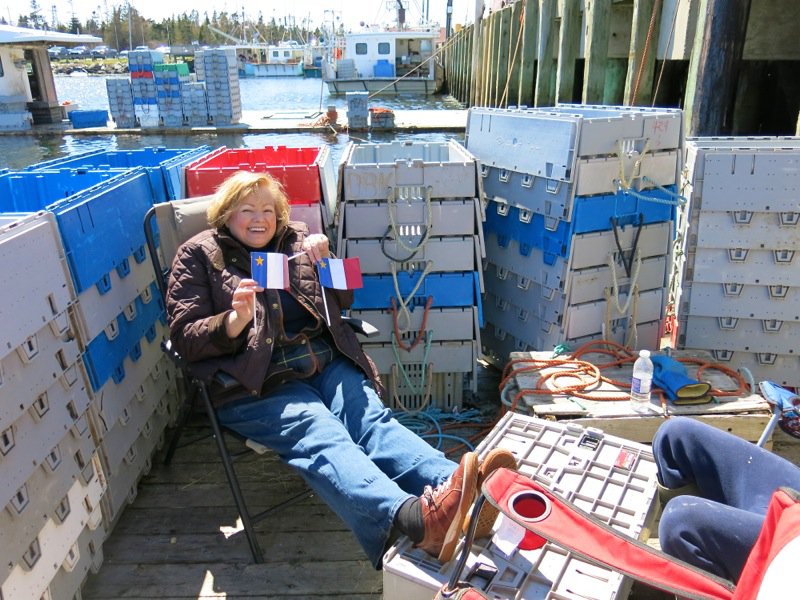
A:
(122, 29)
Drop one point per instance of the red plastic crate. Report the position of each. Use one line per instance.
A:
(141, 75)
(296, 168)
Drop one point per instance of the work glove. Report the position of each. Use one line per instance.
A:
(672, 377)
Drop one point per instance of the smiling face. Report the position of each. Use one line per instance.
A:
(254, 221)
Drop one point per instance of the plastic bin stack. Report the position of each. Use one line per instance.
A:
(307, 175)
(195, 104)
(220, 72)
(357, 110)
(579, 223)
(169, 81)
(611, 478)
(145, 98)
(86, 390)
(737, 277)
(120, 102)
(411, 213)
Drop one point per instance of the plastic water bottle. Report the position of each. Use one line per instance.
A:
(641, 382)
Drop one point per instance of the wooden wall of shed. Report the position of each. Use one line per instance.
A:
(635, 52)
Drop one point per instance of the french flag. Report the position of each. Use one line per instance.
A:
(270, 270)
(340, 273)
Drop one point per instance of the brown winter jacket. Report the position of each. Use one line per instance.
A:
(205, 273)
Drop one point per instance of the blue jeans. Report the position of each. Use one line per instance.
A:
(735, 479)
(334, 429)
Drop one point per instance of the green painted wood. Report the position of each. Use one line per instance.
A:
(614, 88)
(545, 94)
(530, 28)
(714, 66)
(642, 54)
(497, 50)
(598, 14)
(568, 47)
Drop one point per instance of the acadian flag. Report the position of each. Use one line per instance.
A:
(270, 269)
(340, 273)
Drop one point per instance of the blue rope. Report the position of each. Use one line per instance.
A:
(427, 424)
(678, 199)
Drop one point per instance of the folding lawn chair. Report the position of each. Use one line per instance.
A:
(167, 225)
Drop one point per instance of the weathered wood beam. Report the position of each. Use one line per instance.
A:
(547, 42)
(598, 17)
(642, 53)
(515, 50)
(486, 54)
(503, 55)
(530, 27)
(477, 53)
(714, 66)
(568, 48)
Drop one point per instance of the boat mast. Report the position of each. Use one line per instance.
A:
(401, 15)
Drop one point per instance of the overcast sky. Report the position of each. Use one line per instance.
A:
(351, 12)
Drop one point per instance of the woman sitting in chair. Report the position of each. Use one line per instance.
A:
(308, 390)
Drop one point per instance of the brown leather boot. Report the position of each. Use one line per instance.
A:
(444, 508)
(495, 459)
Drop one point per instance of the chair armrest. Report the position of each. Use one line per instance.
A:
(222, 380)
(360, 326)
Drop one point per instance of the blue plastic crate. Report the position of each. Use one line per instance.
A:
(30, 192)
(105, 355)
(153, 159)
(447, 290)
(81, 119)
(102, 226)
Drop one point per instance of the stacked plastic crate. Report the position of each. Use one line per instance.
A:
(579, 223)
(307, 175)
(221, 76)
(169, 81)
(120, 102)
(611, 478)
(195, 104)
(411, 213)
(145, 98)
(736, 289)
(357, 110)
(14, 114)
(86, 390)
(51, 479)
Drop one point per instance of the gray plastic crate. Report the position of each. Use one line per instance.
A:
(442, 357)
(744, 229)
(85, 555)
(739, 334)
(753, 301)
(743, 265)
(439, 254)
(446, 324)
(609, 477)
(783, 369)
(371, 171)
(547, 142)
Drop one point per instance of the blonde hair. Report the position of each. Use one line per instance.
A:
(232, 192)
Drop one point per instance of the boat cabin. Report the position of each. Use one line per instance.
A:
(391, 53)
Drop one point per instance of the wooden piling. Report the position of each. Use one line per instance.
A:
(547, 40)
(598, 13)
(714, 66)
(568, 47)
(642, 54)
(530, 27)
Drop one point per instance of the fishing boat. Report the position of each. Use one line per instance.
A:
(379, 60)
(271, 60)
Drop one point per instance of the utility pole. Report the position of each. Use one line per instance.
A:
(130, 28)
(447, 30)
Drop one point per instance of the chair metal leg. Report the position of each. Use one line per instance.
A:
(186, 411)
(233, 480)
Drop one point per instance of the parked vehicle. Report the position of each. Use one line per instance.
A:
(103, 52)
(57, 52)
(79, 52)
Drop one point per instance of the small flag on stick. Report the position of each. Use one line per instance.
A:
(270, 270)
(340, 273)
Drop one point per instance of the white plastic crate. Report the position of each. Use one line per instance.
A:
(455, 323)
(42, 359)
(84, 556)
(47, 551)
(372, 171)
(133, 420)
(744, 229)
(123, 483)
(437, 254)
(783, 369)
(373, 219)
(743, 265)
(418, 391)
(26, 443)
(21, 523)
(609, 477)
(752, 301)
(441, 357)
(739, 334)
(31, 252)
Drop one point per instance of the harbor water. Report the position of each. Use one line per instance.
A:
(278, 94)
